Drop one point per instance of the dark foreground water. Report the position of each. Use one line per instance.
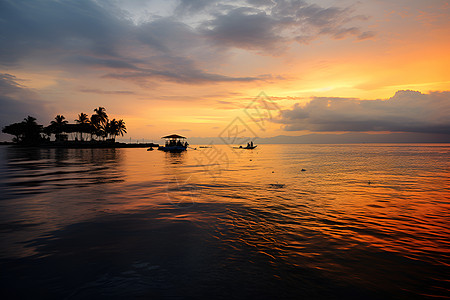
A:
(362, 222)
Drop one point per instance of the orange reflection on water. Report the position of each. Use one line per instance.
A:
(393, 198)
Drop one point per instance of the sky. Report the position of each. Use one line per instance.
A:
(194, 67)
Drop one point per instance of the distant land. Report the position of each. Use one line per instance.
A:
(315, 138)
(344, 138)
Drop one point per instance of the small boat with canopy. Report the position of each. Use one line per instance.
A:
(174, 143)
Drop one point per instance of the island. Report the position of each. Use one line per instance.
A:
(96, 131)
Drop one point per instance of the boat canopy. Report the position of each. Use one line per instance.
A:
(173, 136)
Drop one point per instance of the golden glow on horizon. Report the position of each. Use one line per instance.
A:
(409, 51)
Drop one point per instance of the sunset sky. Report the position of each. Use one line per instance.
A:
(192, 67)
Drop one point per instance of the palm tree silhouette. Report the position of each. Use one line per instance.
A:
(30, 133)
(99, 121)
(111, 128)
(101, 112)
(95, 125)
(114, 128)
(121, 128)
(83, 124)
(16, 129)
(27, 132)
(58, 126)
(31, 130)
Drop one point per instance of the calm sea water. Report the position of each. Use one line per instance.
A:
(361, 222)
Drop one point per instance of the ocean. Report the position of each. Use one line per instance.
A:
(362, 221)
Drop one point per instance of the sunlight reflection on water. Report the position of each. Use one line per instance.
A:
(365, 221)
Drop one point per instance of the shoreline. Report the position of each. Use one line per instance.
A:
(85, 145)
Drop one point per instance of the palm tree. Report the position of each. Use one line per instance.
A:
(16, 129)
(83, 124)
(114, 128)
(110, 128)
(101, 112)
(26, 132)
(121, 128)
(99, 121)
(96, 126)
(58, 126)
(59, 123)
(32, 131)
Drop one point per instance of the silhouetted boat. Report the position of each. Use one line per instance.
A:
(174, 143)
(248, 147)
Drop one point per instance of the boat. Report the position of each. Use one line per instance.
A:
(249, 146)
(174, 143)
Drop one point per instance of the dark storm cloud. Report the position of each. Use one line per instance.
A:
(17, 102)
(406, 111)
(193, 6)
(167, 35)
(244, 28)
(56, 28)
(83, 33)
(312, 20)
(97, 34)
(268, 25)
(260, 3)
(112, 63)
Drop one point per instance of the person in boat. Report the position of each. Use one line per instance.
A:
(251, 144)
(248, 145)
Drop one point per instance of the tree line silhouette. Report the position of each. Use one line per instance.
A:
(97, 127)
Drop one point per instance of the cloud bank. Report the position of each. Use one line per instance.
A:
(269, 25)
(406, 111)
(180, 46)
